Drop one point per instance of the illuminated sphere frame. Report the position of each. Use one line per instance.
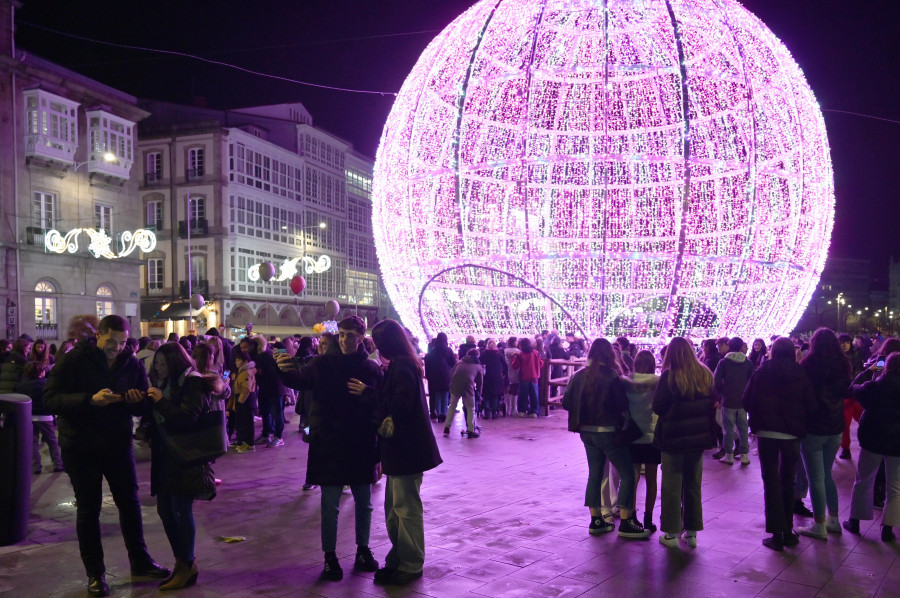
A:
(639, 168)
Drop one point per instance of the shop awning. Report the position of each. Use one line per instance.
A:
(166, 310)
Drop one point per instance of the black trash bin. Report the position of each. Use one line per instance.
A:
(15, 467)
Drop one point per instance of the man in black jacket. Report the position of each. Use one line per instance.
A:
(343, 446)
(96, 390)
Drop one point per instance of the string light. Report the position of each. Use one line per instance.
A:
(655, 168)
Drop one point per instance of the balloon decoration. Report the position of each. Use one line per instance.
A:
(197, 301)
(332, 308)
(266, 271)
(298, 283)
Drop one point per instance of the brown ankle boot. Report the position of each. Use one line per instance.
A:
(185, 575)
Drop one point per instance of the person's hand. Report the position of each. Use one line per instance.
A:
(718, 404)
(356, 387)
(155, 394)
(134, 395)
(285, 362)
(105, 397)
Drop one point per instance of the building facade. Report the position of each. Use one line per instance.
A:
(69, 243)
(249, 187)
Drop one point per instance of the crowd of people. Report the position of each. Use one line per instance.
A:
(368, 406)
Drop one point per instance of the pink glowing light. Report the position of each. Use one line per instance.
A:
(646, 168)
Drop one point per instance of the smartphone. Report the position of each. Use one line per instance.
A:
(879, 364)
(225, 374)
(280, 351)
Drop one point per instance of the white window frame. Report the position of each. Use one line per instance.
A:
(43, 210)
(104, 301)
(153, 167)
(153, 215)
(51, 125)
(44, 305)
(155, 273)
(195, 163)
(103, 217)
(110, 135)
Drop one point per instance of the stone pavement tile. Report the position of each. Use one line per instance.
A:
(436, 570)
(762, 566)
(876, 563)
(784, 589)
(562, 587)
(522, 556)
(451, 586)
(488, 571)
(507, 587)
(598, 569)
(847, 582)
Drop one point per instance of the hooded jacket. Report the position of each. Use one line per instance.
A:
(639, 388)
(528, 364)
(731, 377)
(466, 377)
(439, 363)
(495, 373)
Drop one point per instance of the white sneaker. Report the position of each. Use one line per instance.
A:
(816, 530)
(728, 459)
(690, 538)
(745, 459)
(833, 525)
(670, 541)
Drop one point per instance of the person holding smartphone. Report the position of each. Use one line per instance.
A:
(95, 390)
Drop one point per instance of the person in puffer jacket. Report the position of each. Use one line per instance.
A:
(466, 377)
(879, 440)
(731, 377)
(778, 400)
(528, 363)
(685, 405)
(640, 387)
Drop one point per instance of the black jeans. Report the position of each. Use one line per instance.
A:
(86, 470)
(271, 410)
(778, 463)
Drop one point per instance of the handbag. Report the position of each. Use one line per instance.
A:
(204, 442)
(627, 431)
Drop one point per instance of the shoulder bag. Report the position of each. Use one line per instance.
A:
(204, 442)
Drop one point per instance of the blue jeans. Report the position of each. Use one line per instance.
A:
(599, 447)
(818, 454)
(437, 401)
(528, 396)
(177, 514)
(331, 501)
(730, 419)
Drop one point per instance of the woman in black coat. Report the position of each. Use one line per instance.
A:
(439, 362)
(778, 399)
(408, 449)
(879, 440)
(495, 374)
(179, 395)
(685, 405)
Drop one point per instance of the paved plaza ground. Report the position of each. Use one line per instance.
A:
(503, 517)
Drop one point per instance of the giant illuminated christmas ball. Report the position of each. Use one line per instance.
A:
(648, 168)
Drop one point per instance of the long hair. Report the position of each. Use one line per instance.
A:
(825, 358)
(203, 357)
(177, 361)
(440, 341)
(600, 356)
(39, 352)
(218, 352)
(757, 356)
(393, 343)
(686, 374)
(890, 345)
(645, 362)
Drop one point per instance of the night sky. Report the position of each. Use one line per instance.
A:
(849, 51)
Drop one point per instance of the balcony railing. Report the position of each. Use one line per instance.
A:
(198, 286)
(34, 236)
(193, 174)
(199, 227)
(152, 178)
(47, 331)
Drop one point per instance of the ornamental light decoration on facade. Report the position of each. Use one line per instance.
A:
(288, 268)
(100, 245)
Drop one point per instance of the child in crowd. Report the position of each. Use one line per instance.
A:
(41, 420)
